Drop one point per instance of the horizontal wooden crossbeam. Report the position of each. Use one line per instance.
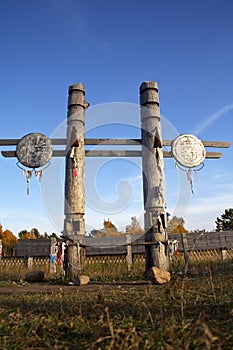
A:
(113, 142)
(92, 141)
(112, 153)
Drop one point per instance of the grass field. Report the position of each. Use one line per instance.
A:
(188, 313)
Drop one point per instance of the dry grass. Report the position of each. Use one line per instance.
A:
(188, 313)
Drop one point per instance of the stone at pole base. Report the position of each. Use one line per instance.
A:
(158, 276)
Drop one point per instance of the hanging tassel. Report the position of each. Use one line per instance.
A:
(28, 175)
(39, 174)
(190, 173)
(190, 179)
(72, 156)
(75, 168)
(72, 153)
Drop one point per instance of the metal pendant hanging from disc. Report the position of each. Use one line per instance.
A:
(34, 150)
(188, 150)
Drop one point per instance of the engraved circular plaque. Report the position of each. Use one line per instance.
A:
(188, 150)
(34, 150)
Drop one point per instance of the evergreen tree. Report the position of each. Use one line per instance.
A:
(35, 233)
(225, 223)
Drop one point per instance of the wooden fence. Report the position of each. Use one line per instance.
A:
(193, 247)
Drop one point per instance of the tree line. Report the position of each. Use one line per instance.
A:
(175, 225)
(9, 240)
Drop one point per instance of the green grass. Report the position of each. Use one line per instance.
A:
(114, 272)
(187, 313)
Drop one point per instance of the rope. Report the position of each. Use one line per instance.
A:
(74, 267)
(122, 245)
(190, 172)
(33, 169)
(185, 169)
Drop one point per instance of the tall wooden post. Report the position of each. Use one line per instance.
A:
(74, 225)
(155, 218)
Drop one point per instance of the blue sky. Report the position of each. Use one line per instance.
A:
(112, 47)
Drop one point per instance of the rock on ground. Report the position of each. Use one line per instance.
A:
(158, 276)
(34, 276)
(81, 280)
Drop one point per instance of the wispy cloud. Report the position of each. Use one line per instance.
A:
(212, 118)
(106, 48)
(72, 13)
(204, 211)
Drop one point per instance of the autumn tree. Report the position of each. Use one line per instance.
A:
(179, 229)
(225, 223)
(24, 234)
(177, 225)
(108, 230)
(33, 234)
(8, 242)
(134, 227)
(108, 225)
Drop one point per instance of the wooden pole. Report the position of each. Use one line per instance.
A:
(155, 218)
(74, 225)
(186, 252)
(129, 258)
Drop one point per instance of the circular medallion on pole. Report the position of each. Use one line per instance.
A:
(34, 150)
(188, 150)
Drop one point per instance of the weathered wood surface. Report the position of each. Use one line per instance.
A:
(118, 245)
(33, 247)
(111, 153)
(75, 163)
(195, 242)
(108, 141)
(154, 191)
(216, 144)
(71, 262)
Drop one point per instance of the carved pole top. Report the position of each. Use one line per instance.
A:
(149, 96)
(77, 86)
(77, 97)
(146, 85)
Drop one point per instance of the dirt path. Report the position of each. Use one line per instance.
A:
(44, 288)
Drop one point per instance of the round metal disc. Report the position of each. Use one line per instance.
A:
(34, 150)
(188, 150)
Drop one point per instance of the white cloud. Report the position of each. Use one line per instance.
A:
(203, 212)
(212, 118)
